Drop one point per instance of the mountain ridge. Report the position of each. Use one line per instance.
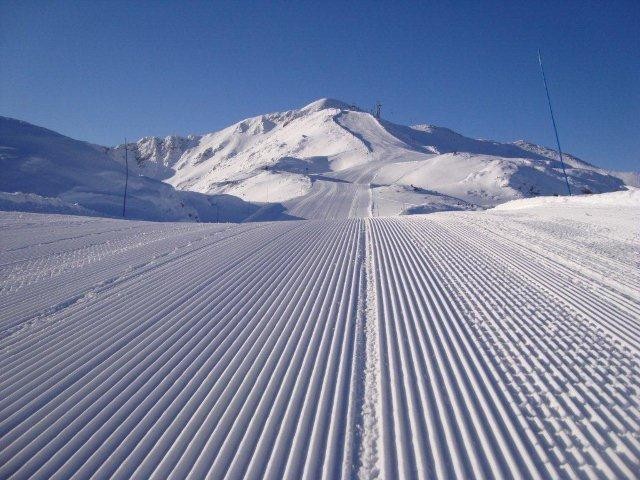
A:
(515, 149)
(280, 157)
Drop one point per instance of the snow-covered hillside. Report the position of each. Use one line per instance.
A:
(279, 151)
(293, 164)
(44, 171)
(360, 339)
(155, 157)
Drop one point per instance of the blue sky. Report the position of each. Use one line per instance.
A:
(100, 71)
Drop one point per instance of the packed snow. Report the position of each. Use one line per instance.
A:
(628, 199)
(468, 344)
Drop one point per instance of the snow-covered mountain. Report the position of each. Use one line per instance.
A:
(285, 157)
(332, 136)
(155, 157)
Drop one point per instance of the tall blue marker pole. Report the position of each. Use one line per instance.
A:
(553, 120)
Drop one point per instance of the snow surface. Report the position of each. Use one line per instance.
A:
(45, 171)
(627, 198)
(30, 202)
(473, 344)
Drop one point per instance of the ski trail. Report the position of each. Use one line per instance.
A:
(218, 359)
(486, 374)
(370, 444)
(458, 345)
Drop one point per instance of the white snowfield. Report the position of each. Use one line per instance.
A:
(494, 344)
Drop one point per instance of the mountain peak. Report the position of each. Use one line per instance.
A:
(325, 103)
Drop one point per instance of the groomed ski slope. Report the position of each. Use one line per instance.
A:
(455, 345)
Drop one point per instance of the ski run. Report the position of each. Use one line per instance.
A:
(495, 344)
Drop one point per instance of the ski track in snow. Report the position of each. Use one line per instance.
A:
(497, 364)
(458, 345)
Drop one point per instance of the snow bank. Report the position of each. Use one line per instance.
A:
(30, 202)
(627, 198)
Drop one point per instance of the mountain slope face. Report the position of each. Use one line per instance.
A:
(274, 157)
(155, 157)
(48, 172)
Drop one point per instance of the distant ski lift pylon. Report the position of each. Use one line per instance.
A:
(377, 110)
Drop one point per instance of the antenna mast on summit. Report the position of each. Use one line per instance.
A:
(377, 111)
(553, 120)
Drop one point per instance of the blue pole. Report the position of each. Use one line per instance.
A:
(553, 120)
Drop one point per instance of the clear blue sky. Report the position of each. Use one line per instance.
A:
(100, 71)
